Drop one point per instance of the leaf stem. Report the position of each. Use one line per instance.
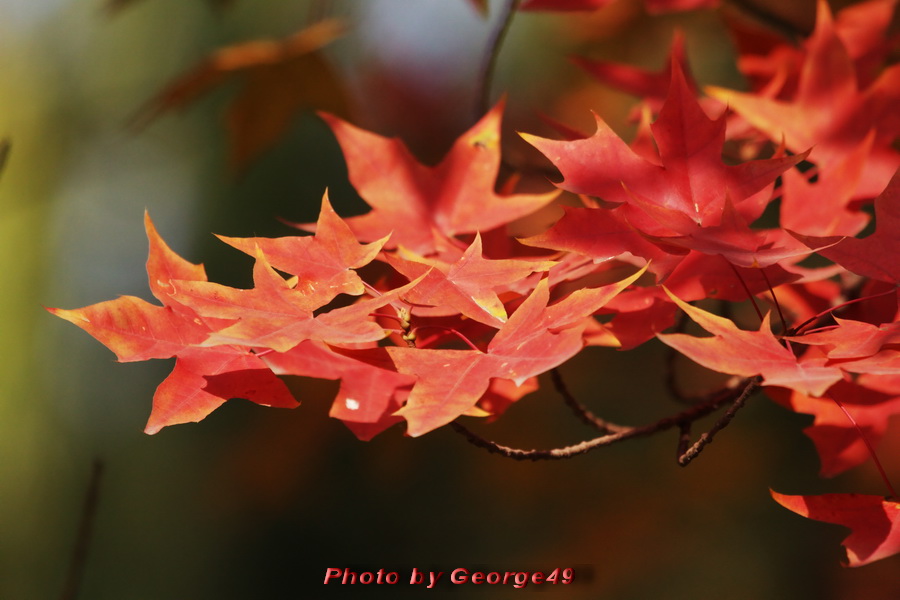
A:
(784, 326)
(386, 316)
(466, 340)
(747, 290)
(865, 439)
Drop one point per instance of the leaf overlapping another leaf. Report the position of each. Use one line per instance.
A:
(749, 353)
(829, 111)
(411, 201)
(689, 200)
(426, 310)
(535, 339)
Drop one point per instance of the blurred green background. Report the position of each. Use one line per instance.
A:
(257, 503)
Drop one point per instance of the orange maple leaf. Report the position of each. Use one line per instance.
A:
(410, 200)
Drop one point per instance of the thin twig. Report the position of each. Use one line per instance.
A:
(671, 357)
(580, 410)
(489, 60)
(677, 420)
(686, 456)
(83, 538)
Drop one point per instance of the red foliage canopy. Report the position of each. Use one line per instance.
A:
(402, 305)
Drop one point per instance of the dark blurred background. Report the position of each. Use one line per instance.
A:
(257, 503)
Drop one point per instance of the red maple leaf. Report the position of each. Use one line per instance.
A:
(829, 112)
(535, 339)
(874, 521)
(279, 313)
(204, 378)
(886, 362)
(651, 86)
(748, 353)
(468, 286)
(700, 276)
(324, 263)
(603, 234)
(732, 238)
(870, 402)
(852, 339)
(688, 199)
(164, 265)
(136, 330)
(826, 207)
(865, 28)
(769, 61)
(874, 256)
(410, 201)
(371, 391)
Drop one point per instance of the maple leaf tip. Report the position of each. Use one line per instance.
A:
(148, 223)
(671, 295)
(720, 93)
(824, 17)
(330, 119)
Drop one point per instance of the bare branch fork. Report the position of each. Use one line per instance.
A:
(736, 395)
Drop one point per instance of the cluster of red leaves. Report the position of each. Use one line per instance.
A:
(426, 310)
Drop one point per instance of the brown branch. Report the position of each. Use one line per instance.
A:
(489, 60)
(684, 439)
(685, 456)
(83, 538)
(580, 410)
(737, 395)
(672, 355)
